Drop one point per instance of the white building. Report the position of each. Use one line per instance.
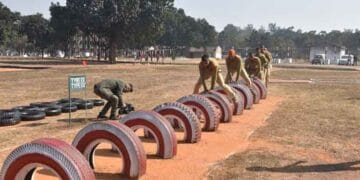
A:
(332, 54)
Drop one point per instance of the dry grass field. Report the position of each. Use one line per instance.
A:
(312, 134)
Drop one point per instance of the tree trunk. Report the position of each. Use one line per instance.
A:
(113, 51)
(98, 52)
(42, 54)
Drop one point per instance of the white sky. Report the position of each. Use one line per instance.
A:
(304, 14)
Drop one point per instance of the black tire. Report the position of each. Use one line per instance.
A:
(53, 111)
(261, 86)
(66, 100)
(67, 108)
(27, 108)
(85, 104)
(42, 104)
(98, 102)
(32, 115)
(9, 117)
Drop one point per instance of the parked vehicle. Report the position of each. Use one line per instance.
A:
(318, 59)
(346, 60)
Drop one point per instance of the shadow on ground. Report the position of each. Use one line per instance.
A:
(298, 168)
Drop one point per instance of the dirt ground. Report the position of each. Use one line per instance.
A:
(314, 134)
(310, 115)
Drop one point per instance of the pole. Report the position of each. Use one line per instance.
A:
(69, 89)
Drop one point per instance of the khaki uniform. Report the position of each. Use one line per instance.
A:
(212, 71)
(264, 63)
(236, 65)
(253, 67)
(110, 90)
(267, 70)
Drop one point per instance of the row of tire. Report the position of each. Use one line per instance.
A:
(38, 111)
(188, 113)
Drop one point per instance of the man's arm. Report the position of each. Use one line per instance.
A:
(238, 68)
(119, 94)
(202, 77)
(214, 77)
(228, 70)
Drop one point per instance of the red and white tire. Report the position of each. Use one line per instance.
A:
(121, 137)
(246, 93)
(238, 102)
(261, 86)
(59, 157)
(204, 109)
(183, 116)
(158, 126)
(226, 107)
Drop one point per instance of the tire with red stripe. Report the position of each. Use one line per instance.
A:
(183, 116)
(121, 137)
(61, 158)
(204, 109)
(158, 126)
(261, 86)
(238, 102)
(246, 94)
(226, 107)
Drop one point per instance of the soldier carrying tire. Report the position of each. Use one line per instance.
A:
(112, 91)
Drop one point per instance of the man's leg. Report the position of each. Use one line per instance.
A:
(104, 110)
(228, 90)
(197, 86)
(104, 94)
(267, 75)
(114, 100)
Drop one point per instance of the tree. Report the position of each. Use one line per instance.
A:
(63, 24)
(37, 30)
(120, 21)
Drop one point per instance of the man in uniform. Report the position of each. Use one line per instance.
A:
(234, 65)
(268, 67)
(112, 91)
(209, 68)
(253, 66)
(263, 61)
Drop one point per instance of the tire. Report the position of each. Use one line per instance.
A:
(27, 108)
(60, 157)
(246, 94)
(204, 109)
(66, 100)
(238, 102)
(42, 104)
(261, 86)
(256, 93)
(85, 105)
(163, 133)
(175, 112)
(98, 102)
(122, 137)
(32, 115)
(9, 117)
(226, 107)
(67, 108)
(53, 111)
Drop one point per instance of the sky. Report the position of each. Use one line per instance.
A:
(302, 14)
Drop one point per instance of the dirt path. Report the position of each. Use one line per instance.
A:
(193, 160)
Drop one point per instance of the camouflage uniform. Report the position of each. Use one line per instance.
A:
(253, 67)
(236, 65)
(110, 90)
(212, 71)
